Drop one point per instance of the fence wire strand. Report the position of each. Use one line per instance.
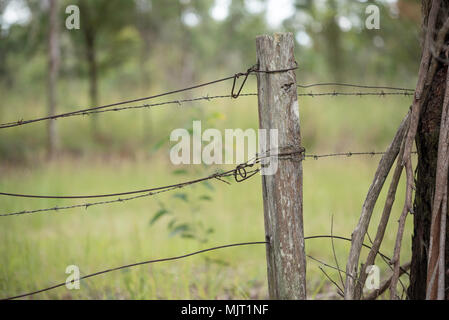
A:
(114, 106)
(253, 69)
(240, 173)
(137, 264)
(358, 94)
(179, 102)
(182, 257)
(340, 84)
(67, 114)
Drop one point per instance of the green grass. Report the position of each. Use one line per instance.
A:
(36, 249)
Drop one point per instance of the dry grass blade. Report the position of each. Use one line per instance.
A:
(358, 235)
(339, 290)
(335, 255)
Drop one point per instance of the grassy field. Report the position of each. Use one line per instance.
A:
(36, 249)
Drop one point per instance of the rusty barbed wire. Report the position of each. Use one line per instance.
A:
(359, 94)
(149, 106)
(97, 108)
(239, 170)
(208, 98)
(85, 205)
(341, 84)
(240, 173)
(341, 154)
(346, 154)
(53, 117)
(202, 98)
(253, 69)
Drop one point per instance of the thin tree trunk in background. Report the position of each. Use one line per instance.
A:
(89, 33)
(334, 51)
(145, 85)
(146, 35)
(53, 67)
(93, 78)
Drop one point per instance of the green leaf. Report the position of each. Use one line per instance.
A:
(158, 145)
(208, 185)
(171, 223)
(205, 197)
(179, 171)
(157, 215)
(182, 196)
(179, 229)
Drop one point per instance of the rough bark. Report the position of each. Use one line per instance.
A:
(282, 191)
(427, 146)
(427, 140)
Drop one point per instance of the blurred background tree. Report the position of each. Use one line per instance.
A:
(131, 48)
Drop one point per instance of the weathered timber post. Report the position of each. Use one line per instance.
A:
(282, 191)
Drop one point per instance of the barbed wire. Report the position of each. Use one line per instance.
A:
(346, 154)
(109, 107)
(85, 205)
(178, 102)
(340, 84)
(240, 173)
(145, 106)
(253, 69)
(359, 94)
(182, 257)
(67, 114)
(202, 98)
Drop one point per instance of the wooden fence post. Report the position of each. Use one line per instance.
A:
(282, 191)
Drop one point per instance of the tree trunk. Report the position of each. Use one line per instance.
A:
(91, 59)
(334, 50)
(92, 74)
(53, 67)
(427, 139)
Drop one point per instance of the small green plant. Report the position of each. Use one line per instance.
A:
(190, 225)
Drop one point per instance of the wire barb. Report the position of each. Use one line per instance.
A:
(239, 173)
(358, 94)
(340, 84)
